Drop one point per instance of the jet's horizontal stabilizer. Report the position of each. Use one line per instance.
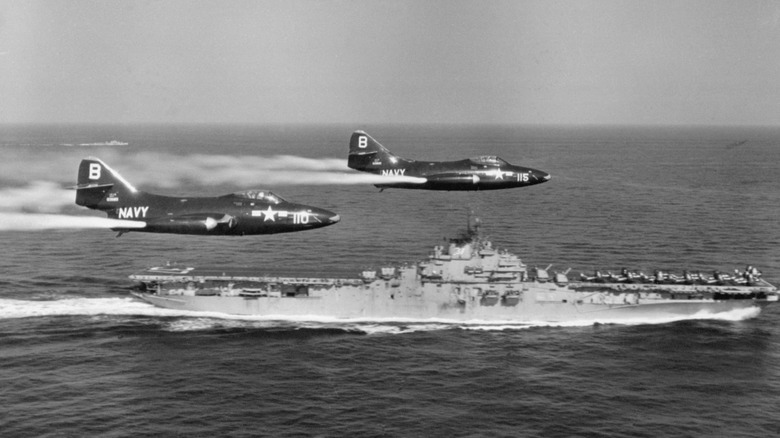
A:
(92, 186)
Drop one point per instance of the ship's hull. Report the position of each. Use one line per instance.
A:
(542, 305)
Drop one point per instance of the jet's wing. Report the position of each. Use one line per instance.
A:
(184, 223)
(452, 178)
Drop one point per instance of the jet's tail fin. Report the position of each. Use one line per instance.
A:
(99, 186)
(365, 153)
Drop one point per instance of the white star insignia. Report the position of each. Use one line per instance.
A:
(269, 215)
(499, 174)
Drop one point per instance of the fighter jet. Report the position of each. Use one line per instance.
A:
(237, 214)
(486, 172)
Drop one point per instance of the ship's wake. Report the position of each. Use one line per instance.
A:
(182, 321)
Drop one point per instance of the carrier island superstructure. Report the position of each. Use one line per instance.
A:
(468, 280)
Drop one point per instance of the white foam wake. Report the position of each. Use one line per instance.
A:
(731, 315)
(79, 306)
(194, 321)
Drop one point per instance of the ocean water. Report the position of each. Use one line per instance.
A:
(80, 357)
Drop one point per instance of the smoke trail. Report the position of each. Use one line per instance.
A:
(35, 222)
(299, 178)
(40, 200)
(163, 170)
(42, 196)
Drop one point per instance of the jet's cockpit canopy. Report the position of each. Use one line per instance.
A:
(488, 160)
(260, 195)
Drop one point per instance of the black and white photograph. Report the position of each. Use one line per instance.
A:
(389, 218)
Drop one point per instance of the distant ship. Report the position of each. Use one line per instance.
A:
(469, 280)
(105, 143)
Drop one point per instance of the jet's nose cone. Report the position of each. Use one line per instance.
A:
(325, 217)
(539, 176)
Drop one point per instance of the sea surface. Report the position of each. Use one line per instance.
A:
(80, 357)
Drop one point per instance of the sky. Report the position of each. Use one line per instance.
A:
(660, 62)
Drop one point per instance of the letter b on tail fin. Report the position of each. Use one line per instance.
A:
(99, 184)
(365, 153)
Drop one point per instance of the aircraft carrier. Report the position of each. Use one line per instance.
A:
(468, 280)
